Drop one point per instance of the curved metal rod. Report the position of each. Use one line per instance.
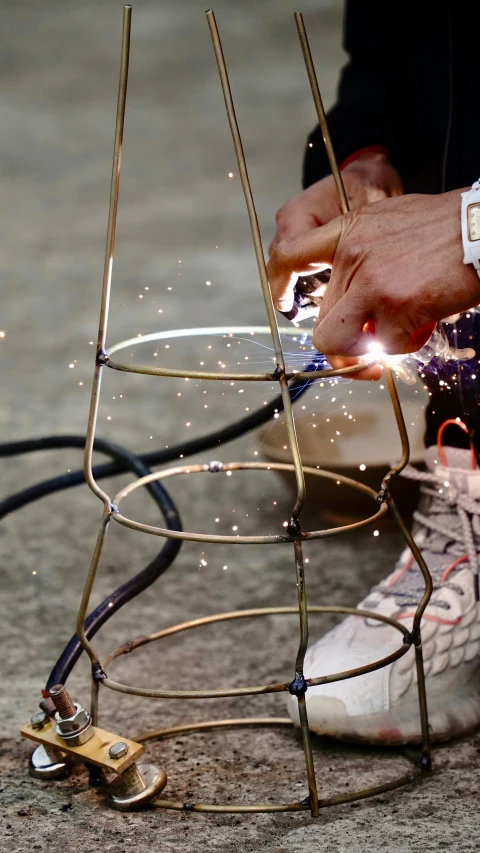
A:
(268, 539)
(109, 248)
(145, 369)
(323, 802)
(243, 540)
(246, 614)
(211, 725)
(262, 269)
(322, 119)
(264, 688)
(87, 590)
(400, 420)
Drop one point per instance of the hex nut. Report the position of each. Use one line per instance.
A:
(77, 729)
(118, 750)
(39, 720)
(74, 723)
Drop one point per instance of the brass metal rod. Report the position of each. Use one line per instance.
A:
(307, 751)
(267, 539)
(397, 410)
(146, 369)
(87, 590)
(206, 808)
(302, 648)
(247, 614)
(258, 689)
(317, 99)
(262, 270)
(247, 191)
(335, 800)
(410, 541)
(302, 608)
(95, 688)
(422, 701)
(422, 694)
(109, 248)
(199, 468)
(211, 725)
(227, 692)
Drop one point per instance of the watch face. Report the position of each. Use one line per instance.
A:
(473, 219)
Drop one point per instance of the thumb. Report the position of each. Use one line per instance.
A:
(301, 255)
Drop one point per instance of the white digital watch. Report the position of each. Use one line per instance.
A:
(471, 226)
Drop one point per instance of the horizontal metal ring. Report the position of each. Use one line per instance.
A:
(223, 331)
(242, 540)
(259, 689)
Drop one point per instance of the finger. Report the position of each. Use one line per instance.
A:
(292, 224)
(302, 255)
(295, 221)
(371, 373)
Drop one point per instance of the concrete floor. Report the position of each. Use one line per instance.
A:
(182, 223)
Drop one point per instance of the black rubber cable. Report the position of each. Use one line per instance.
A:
(135, 585)
(124, 460)
(111, 469)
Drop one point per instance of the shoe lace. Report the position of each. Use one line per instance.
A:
(446, 503)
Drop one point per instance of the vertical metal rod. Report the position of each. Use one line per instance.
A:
(307, 750)
(422, 693)
(262, 270)
(109, 248)
(87, 590)
(94, 702)
(322, 119)
(302, 607)
(342, 197)
(397, 410)
(302, 707)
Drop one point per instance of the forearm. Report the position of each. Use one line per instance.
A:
(362, 115)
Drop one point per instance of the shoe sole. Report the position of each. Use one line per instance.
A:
(327, 716)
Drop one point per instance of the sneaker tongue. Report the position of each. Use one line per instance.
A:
(458, 473)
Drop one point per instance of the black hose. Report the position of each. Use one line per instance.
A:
(123, 461)
(110, 469)
(135, 585)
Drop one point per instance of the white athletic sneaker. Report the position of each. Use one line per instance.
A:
(382, 706)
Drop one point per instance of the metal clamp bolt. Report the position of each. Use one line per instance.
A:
(118, 750)
(39, 720)
(74, 724)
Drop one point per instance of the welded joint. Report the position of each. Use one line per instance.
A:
(294, 529)
(279, 373)
(409, 638)
(425, 762)
(98, 675)
(383, 494)
(298, 687)
(101, 356)
(214, 466)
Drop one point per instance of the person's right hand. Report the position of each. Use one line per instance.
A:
(368, 178)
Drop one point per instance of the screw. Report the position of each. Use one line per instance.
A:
(62, 701)
(118, 750)
(38, 720)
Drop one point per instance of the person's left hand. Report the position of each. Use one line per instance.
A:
(397, 269)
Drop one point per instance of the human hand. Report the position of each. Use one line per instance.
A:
(368, 178)
(397, 269)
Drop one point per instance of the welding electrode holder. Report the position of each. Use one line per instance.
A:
(307, 296)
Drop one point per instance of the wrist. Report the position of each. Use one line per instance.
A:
(371, 153)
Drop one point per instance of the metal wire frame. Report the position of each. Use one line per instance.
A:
(293, 533)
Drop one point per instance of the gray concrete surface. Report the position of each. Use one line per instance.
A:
(59, 64)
